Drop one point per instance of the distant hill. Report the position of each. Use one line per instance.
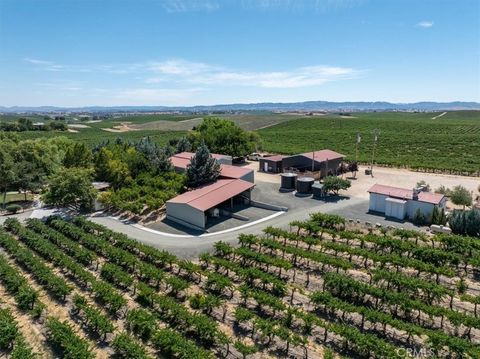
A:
(264, 106)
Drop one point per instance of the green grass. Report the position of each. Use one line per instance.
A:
(16, 197)
(93, 136)
(450, 143)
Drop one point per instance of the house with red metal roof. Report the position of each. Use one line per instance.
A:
(181, 160)
(192, 208)
(401, 203)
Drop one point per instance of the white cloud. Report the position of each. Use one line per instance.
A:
(425, 24)
(37, 62)
(173, 6)
(181, 71)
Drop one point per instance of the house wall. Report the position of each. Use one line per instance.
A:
(377, 202)
(274, 166)
(304, 163)
(297, 161)
(395, 210)
(184, 214)
(249, 177)
(226, 160)
(426, 208)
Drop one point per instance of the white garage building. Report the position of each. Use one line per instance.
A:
(401, 203)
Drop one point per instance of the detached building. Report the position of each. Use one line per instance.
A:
(401, 203)
(325, 161)
(181, 160)
(192, 208)
(272, 164)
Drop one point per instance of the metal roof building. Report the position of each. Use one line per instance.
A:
(181, 160)
(401, 203)
(325, 161)
(190, 208)
(271, 164)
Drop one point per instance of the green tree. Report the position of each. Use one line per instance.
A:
(223, 136)
(418, 218)
(472, 222)
(335, 184)
(461, 196)
(353, 167)
(101, 164)
(436, 216)
(183, 145)
(203, 169)
(7, 172)
(71, 186)
(24, 124)
(78, 155)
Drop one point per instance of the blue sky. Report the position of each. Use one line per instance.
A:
(191, 52)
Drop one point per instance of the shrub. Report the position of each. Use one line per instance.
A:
(13, 208)
(418, 218)
(465, 222)
(335, 184)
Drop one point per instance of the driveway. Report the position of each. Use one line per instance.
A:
(189, 246)
(192, 246)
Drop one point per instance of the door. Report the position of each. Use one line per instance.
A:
(265, 166)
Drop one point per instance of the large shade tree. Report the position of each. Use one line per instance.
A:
(203, 169)
(461, 196)
(71, 187)
(223, 136)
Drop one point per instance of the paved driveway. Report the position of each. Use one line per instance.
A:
(188, 246)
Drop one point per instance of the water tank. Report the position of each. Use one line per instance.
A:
(288, 181)
(304, 185)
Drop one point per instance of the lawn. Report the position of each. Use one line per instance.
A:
(450, 143)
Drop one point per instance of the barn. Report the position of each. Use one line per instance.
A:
(192, 208)
(326, 162)
(401, 203)
(272, 164)
(181, 160)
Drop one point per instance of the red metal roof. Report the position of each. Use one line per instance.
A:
(180, 162)
(233, 171)
(225, 170)
(403, 193)
(323, 155)
(209, 196)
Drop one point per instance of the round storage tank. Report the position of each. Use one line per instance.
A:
(288, 181)
(304, 185)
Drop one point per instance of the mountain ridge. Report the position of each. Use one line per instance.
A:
(264, 106)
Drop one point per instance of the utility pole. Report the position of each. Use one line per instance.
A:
(375, 133)
(313, 161)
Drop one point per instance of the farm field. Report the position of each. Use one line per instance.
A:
(76, 289)
(248, 121)
(450, 143)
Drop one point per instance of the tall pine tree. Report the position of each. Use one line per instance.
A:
(203, 169)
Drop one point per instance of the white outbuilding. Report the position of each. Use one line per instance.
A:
(401, 203)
